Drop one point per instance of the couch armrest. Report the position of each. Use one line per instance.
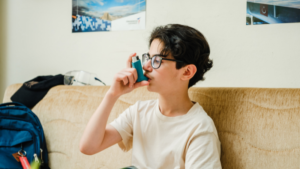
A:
(10, 90)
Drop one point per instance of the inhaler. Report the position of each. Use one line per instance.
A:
(136, 63)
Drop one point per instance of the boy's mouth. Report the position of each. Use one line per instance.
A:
(147, 77)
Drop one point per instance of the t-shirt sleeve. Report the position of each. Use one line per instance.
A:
(204, 152)
(124, 125)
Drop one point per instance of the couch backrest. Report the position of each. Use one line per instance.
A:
(258, 128)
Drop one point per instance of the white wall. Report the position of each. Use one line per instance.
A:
(40, 42)
(3, 55)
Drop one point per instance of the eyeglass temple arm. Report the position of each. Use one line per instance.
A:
(100, 81)
(172, 60)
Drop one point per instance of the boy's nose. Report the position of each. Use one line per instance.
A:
(147, 66)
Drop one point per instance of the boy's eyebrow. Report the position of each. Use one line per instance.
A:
(150, 55)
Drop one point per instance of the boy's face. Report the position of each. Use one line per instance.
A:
(166, 78)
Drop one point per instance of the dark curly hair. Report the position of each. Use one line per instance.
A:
(187, 44)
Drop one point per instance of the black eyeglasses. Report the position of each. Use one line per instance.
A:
(156, 60)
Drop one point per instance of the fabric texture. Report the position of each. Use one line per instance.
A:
(162, 142)
(34, 90)
(258, 127)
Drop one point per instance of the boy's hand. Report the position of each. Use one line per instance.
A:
(125, 80)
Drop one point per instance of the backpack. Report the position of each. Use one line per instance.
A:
(21, 131)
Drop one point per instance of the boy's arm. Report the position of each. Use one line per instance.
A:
(96, 131)
(97, 136)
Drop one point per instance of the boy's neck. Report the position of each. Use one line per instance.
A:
(175, 105)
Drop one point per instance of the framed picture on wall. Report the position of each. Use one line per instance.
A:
(108, 15)
(272, 11)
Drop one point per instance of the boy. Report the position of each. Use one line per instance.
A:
(171, 131)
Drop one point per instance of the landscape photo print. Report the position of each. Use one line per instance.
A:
(272, 11)
(108, 15)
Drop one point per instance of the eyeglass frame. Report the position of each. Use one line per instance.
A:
(158, 55)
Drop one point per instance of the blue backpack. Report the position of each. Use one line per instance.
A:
(21, 131)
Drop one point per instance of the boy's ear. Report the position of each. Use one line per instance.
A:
(188, 72)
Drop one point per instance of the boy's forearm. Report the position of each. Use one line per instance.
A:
(95, 129)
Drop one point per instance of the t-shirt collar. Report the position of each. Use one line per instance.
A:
(166, 118)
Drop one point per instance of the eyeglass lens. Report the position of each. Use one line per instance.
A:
(145, 58)
(155, 60)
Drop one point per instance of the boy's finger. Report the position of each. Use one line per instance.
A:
(130, 78)
(134, 72)
(129, 60)
(140, 84)
(123, 77)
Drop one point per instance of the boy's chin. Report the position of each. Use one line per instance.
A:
(150, 88)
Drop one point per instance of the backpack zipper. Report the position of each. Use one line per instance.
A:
(15, 118)
(34, 139)
(42, 141)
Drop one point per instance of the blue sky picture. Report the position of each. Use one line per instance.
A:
(97, 15)
(272, 11)
(285, 3)
(96, 8)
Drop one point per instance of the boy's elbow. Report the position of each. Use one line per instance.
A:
(85, 150)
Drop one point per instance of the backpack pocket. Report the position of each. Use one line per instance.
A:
(12, 141)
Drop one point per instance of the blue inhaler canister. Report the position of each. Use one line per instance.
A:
(136, 63)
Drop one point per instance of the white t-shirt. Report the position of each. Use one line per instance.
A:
(162, 142)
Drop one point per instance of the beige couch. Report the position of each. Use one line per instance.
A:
(258, 128)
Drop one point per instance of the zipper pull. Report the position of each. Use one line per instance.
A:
(42, 155)
(36, 158)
